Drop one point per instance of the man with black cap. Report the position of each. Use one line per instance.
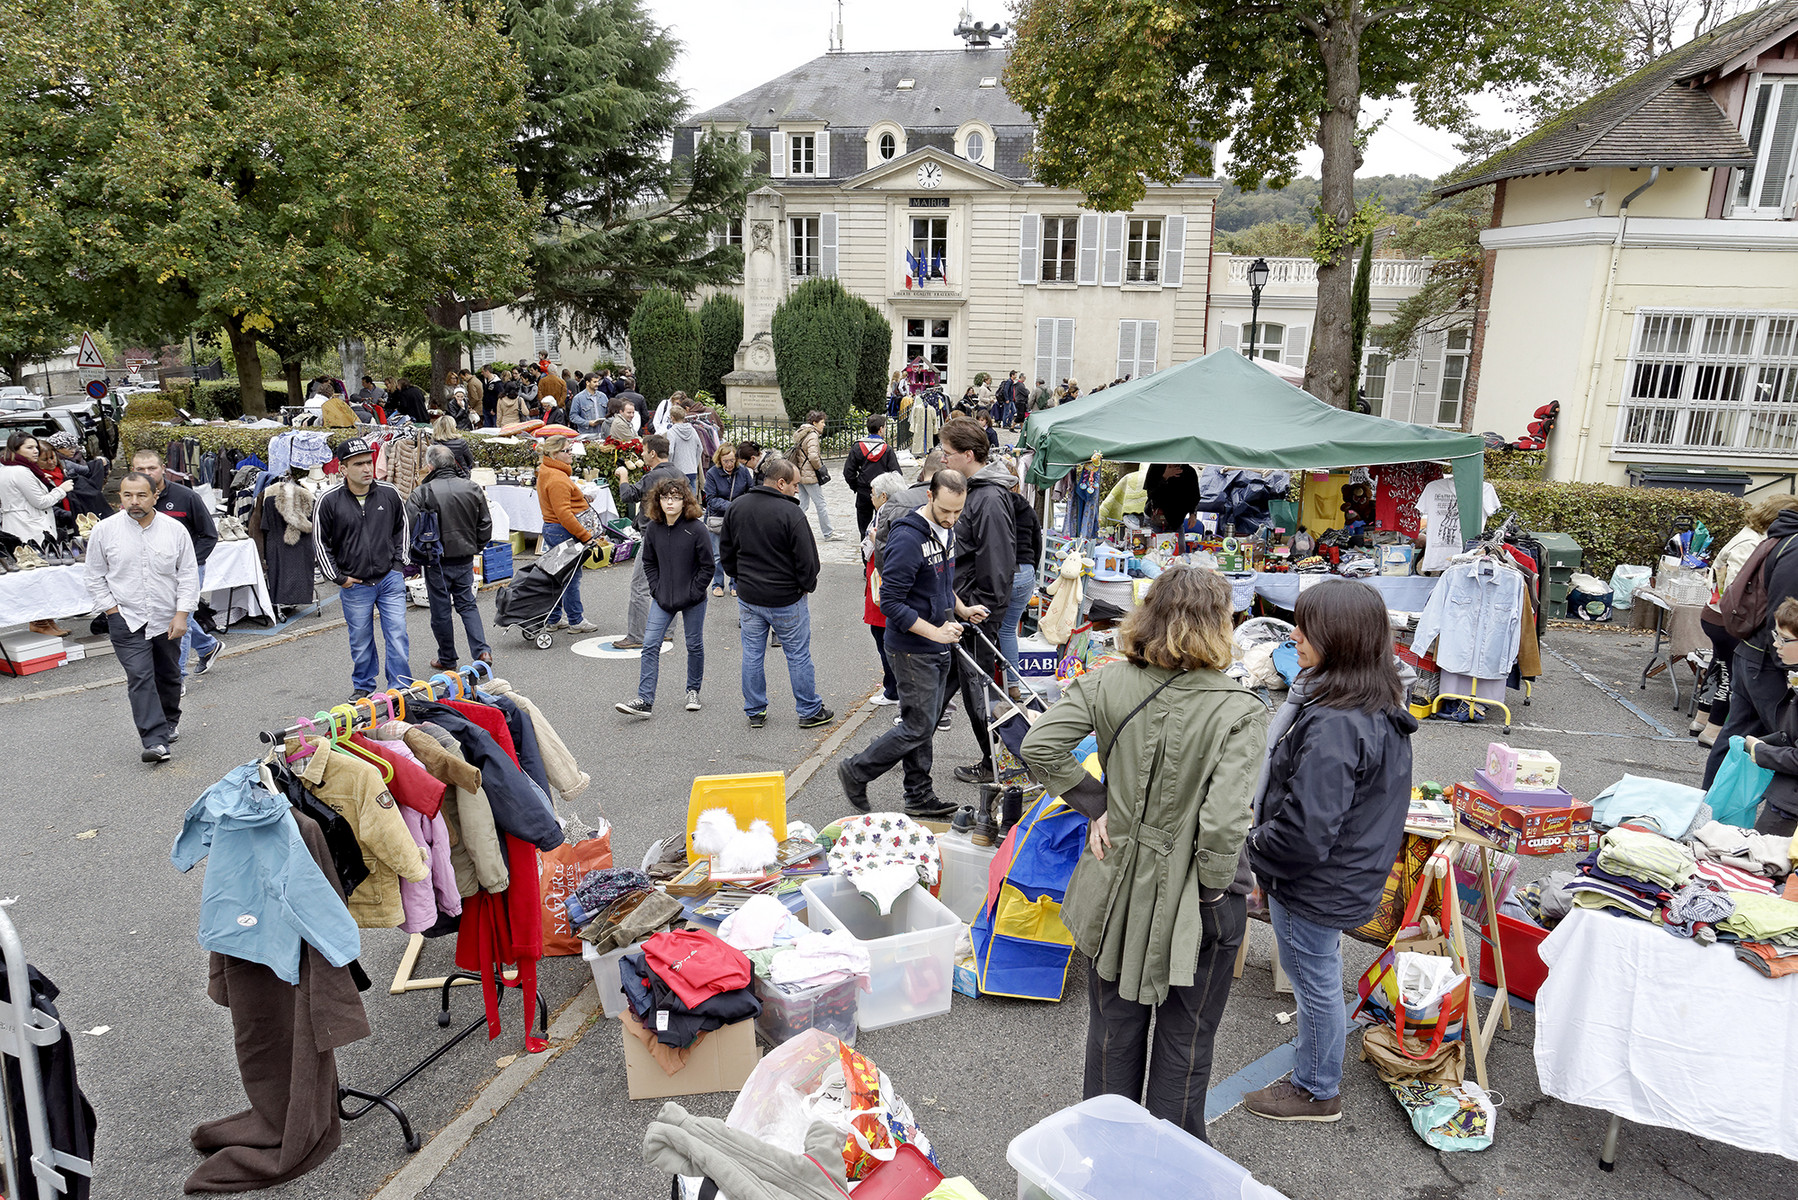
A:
(361, 535)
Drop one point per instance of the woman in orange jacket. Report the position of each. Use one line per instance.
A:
(562, 502)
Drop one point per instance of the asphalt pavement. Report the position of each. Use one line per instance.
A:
(88, 831)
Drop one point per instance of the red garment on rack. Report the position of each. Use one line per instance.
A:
(1395, 497)
(506, 928)
(411, 784)
(491, 720)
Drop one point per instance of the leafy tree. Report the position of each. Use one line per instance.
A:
(1271, 239)
(617, 214)
(244, 201)
(1361, 303)
(876, 358)
(1126, 93)
(665, 346)
(817, 334)
(720, 333)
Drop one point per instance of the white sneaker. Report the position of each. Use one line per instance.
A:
(692, 701)
(882, 700)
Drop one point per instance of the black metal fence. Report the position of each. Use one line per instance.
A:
(776, 433)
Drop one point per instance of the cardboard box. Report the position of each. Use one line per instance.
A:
(1516, 770)
(1523, 830)
(721, 1062)
(1553, 798)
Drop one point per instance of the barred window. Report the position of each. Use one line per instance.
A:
(1712, 380)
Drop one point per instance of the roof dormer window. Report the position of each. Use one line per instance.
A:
(888, 147)
(990, 81)
(886, 142)
(906, 85)
(974, 142)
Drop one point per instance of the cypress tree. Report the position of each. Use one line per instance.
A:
(1361, 308)
(877, 357)
(818, 348)
(721, 332)
(664, 346)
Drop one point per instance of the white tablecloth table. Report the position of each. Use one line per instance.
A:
(235, 585)
(1405, 593)
(526, 515)
(1663, 1031)
(44, 594)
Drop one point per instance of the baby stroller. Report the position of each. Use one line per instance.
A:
(1012, 791)
(537, 591)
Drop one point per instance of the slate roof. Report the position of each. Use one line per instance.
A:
(1657, 116)
(858, 90)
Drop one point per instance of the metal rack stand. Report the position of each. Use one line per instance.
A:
(23, 1029)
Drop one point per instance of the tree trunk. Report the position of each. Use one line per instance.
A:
(446, 355)
(352, 353)
(296, 384)
(15, 369)
(1330, 375)
(249, 367)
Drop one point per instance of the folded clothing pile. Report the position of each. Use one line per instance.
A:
(684, 984)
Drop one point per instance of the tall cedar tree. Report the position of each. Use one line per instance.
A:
(818, 348)
(1127, 92)
(618, 216)
(665, 346)
(720, 333)
(877, 356)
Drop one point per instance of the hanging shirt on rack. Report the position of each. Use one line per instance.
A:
(505, 928)
(476, 853)
(412, 786)
(1476, 611)
(354, 789)
(438, 894)
(1442, 536)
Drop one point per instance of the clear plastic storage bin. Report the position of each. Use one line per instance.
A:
(605, 975)
(965, 867)
(787, 1014)
(912, 948)
(1108, 1148)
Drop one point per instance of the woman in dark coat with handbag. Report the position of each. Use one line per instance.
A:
(677, 561)
(725, 480)
(1332, 817)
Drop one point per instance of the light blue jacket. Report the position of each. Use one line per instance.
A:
(263, 893)
(1477, 611)
(583, 410)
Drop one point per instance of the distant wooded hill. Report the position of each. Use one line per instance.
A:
(1404, 195)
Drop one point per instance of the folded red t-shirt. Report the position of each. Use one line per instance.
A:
(696, 965)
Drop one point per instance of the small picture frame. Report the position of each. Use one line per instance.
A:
(696, 880)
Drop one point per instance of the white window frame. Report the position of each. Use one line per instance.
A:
(1142, 250)
(805, 246)
(1265, 346)
(1376, 400)
(802, 155)
(928, 341)
(922, 244)
(1770, 111)
(985, 158)
(1064, 233)
(1452, 395)
(1717, 381)
(886, 129)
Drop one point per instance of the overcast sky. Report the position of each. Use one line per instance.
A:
(733, 45)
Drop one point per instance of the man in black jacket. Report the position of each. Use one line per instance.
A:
(361, 536)
(768, 548)
(1757, 680)
(869, 459)
(409, 400)
(184, 504)
(630, 496)
(986, 560)
(464, 526)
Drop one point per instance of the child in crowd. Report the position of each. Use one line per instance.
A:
(1778, 751)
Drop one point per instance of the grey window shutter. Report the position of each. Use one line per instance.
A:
(1429, 377)
(1045, 350)
(1173, 251)
(1230, 338)
(1030, 240)
(743, 140)
(1114, 249)
(1064, 347)
(1401, 382)
(1298, 344)
(1089, 248)
(777, 154)
(1126, 348)
(827, 245)
(823, 159)
(1148, 334)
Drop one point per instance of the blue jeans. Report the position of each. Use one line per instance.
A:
(1023, 585)
(450, 587)
(1312, 956)
(693, 620)
(555, 535)
(793, 625)
(717, 560)
(388, 594)
(197, 639)
(814, 494)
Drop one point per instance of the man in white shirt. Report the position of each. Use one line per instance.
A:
(142, 574)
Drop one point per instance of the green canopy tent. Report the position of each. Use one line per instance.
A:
(1225, 411)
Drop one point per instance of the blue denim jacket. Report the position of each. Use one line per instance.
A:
(263, 892)
(1477, 611)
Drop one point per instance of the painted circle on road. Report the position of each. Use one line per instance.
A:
(601, 647)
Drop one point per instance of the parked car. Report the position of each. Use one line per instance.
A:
(19, 399)
(96, 424)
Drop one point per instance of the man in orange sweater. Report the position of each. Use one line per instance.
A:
(562, 502)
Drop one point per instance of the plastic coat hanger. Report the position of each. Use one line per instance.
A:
(305, 748)
(396, 701)
(483, 669)
(449, 681)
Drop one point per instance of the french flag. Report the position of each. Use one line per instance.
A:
(913, 270)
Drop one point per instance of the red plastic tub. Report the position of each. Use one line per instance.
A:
(907, 1176)
(1524, 968)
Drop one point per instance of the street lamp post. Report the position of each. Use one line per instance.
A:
(1258, 273)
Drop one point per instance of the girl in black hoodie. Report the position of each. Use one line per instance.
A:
(677, 561)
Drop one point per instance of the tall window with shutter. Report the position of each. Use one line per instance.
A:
(1089, 248)
(1061, 241)
(1054, 349)
(1770, 124)
(802, 154)
(1173, 252)
(1029, 244)
(1136, 348)
(1113, 271)
(546, 341)
(1142, 252)
(482, 322)
(803, 246)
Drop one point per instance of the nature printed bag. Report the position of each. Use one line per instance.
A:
(559, 872)
(1439, 1001)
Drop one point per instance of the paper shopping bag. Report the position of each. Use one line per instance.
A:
(559, 873)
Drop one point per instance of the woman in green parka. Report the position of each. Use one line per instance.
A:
(1156, 902)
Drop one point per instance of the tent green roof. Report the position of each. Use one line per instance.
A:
(1223, 410)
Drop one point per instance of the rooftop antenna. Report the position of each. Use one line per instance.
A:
(978, 34)
(836, 34)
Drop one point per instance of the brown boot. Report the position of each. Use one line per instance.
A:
(49, 629)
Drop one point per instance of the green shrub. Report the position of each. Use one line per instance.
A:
(877, 355)
(665, 346)
(818, 348)
(1615, 524)
(720, 333)
(417, 372)
(1516, 464)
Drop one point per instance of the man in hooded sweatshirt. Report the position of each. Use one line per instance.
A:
(685, 450)
(985, 560)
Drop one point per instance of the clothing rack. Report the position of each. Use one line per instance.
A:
(364, 714)
(23, 1029)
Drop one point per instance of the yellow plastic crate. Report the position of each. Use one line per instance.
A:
(748, 798)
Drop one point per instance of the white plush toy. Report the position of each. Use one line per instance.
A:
(735, 851)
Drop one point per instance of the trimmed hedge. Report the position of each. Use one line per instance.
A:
(1614, 524)
(665, 346)
(818, 348)
(877, 353)
(720, 333)
(216, 399)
